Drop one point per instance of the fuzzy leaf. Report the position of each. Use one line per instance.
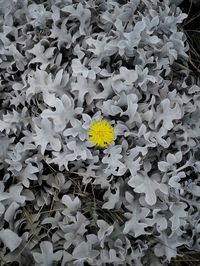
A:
(10, 239)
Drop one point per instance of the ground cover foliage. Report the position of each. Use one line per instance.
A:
(64, 201)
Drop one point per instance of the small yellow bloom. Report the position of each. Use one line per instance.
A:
(101, 133)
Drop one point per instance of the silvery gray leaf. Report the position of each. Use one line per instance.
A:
(113, 160)
(65, 64)
(167, 246)
(41, 55)
(10, 239)
(82, 14)
(47, 257)
(142, 183)
(168, 114)
(83, 252)
(72, 204)
(113, 198)
(64, 112)
(104, 230)
(136, 223)
(178, 211)
(45, 135)
(39, 14)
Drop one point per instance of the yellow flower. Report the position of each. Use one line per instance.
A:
(101, 133)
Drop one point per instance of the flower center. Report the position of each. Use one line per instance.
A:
(101, 133)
